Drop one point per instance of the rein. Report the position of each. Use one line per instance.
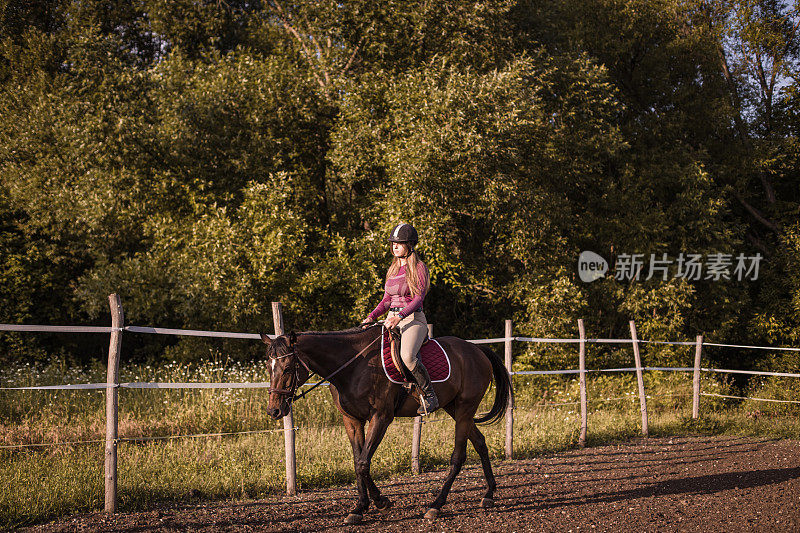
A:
(293, 389)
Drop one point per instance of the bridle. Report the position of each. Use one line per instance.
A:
(295, 382)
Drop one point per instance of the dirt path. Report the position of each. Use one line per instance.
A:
(664, 484)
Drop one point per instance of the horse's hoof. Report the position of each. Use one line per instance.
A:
(487, 503)
(432, 514)
(383, 504)
(353, 519)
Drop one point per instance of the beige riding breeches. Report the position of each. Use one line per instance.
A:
(413, 330)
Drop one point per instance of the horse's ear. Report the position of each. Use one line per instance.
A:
(292, 337)
(265, 338)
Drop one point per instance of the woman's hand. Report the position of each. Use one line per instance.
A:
(392, 322)
(366, 321)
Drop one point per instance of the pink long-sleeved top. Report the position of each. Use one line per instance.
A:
(397, 293)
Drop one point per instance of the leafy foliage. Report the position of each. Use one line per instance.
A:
(205, 158)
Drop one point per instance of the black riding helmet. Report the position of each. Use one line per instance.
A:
(404, 233)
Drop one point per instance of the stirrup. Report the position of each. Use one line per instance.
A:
(423, 404)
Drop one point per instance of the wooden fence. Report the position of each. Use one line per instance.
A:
(113, 385)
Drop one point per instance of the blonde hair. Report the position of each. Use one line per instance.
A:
(412, 275)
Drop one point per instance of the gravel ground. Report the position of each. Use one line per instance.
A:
(725, 484)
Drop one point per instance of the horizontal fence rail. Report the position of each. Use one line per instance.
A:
(750, 372)
(57, 329)
(132, 329)
(746, 398)
(79, 386)
(265, 385)
(113, 385)
(495, 340)
(196, 385)
(195, 333)
(779, 348)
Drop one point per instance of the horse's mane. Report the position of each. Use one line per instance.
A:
(352, 331)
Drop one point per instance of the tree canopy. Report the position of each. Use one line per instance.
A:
(205, 158)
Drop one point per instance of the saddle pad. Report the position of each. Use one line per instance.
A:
(433, 356)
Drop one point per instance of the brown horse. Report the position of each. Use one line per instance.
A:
(349, 360)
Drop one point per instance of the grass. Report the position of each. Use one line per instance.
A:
(42, 483)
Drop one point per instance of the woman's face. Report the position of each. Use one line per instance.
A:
(399, 249)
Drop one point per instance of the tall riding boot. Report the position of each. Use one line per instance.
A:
(428, 400)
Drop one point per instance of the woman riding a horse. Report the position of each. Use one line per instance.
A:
(350, 361)
(407, 282)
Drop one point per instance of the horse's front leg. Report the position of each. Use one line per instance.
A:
(377, 429)
(355, 432)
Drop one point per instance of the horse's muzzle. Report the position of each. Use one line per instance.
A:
(280, 411)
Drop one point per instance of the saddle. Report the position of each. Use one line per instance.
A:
(432, 355)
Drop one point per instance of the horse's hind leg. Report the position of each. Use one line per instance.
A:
(479, 442)
(463, 425)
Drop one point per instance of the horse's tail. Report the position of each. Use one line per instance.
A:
(503, 392)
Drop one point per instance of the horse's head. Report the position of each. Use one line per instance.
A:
(287, 372)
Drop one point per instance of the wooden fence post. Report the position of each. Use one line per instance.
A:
(416, 435)
(582, 367)
(698, 352)
(639, 379)
(112, 403)
(510, 408)
(288, 420)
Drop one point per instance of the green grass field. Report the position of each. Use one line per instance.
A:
(42, 483)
